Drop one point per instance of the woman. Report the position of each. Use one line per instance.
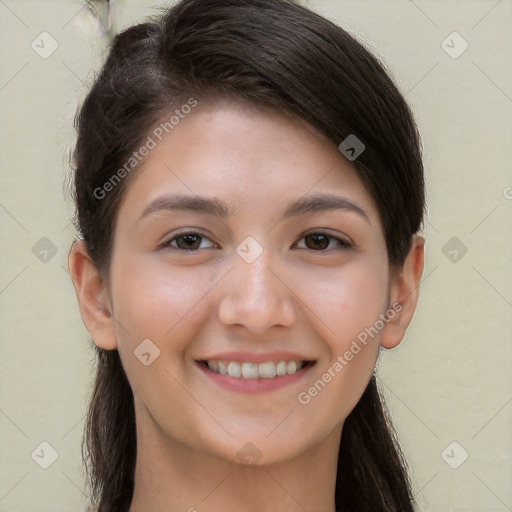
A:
(249, 189)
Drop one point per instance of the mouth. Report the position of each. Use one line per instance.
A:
(253, 370)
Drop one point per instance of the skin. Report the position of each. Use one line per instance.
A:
(192, 305)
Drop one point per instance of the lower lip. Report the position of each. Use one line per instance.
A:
(253, 385)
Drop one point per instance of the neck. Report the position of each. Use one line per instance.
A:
(173, 477)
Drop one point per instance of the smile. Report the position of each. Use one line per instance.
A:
(250, 370)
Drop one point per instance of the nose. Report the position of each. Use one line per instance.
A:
(257, 296)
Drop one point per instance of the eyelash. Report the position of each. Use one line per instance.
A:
(344, 245)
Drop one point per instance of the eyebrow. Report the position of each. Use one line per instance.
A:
(217, 207)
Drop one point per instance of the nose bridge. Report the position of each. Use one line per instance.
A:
(256, 295)
(258, 280)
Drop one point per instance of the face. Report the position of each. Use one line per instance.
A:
(246, 243)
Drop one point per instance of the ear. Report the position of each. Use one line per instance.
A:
(92, 297)
(404, 292)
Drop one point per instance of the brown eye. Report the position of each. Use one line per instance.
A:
(187, 241)
(317, 242)
(321, 241)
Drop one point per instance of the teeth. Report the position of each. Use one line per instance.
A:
(266, 370)
(234, 369)
(291, 367)
(249, 370)
(222, 368)
(281, 368)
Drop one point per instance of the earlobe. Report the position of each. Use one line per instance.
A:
(404, 290)
(92, 297)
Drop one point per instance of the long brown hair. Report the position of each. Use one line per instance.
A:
(275, 54)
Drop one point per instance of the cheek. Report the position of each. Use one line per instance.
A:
(350, 304)
(156, 301)
(347, 300)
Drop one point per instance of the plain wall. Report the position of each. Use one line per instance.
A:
(449, 381)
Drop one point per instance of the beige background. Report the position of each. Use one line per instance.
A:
(449, 381)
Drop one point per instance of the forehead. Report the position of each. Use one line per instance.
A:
(251, 157)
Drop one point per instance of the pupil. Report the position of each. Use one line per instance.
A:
(190, 239)
(319, 239)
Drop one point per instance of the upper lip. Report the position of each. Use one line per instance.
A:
(255, 357)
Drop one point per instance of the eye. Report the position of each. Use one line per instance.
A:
(189, 241)
(320, 241)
